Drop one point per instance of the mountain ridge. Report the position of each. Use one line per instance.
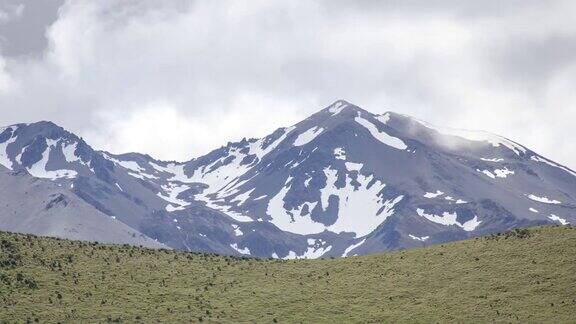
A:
(341, 182)
(337, 103)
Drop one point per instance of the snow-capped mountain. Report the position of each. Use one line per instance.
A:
(342, 182)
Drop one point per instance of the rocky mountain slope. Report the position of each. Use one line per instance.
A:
(342, 182)
(32, 205)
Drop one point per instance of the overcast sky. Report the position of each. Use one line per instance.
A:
(176, 79)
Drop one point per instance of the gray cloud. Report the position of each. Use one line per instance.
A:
(22, 33)
(532, 62)
(112, 71)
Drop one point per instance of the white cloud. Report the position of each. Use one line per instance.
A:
(171, 134)
(205, 72)
(6, 83)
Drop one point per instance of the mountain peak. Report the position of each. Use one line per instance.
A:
(336, 113)
(43, 129)
(340, 102)
(342, 182)
(46, 129)
(47, 124)
(340, 106)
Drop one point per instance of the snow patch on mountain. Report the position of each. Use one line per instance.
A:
(339, 153)
(19, 157)
(383, 118)
(360, 210)
(438, 193)
(431, 195)
(381, 136)
(241, 198)
(503, 173)
(487, 173)
(143, 176)
(308, 136)
(4, 160)
(449, 219)
(38, 170)
(227, 210)
(497, 173)
(171, 193)
(558, 219)
(492, 160)
(219, 177)
(175, 169)
(69, 153)
(256, 147)
(136, 170)
(130, 165)
(544, 199)
(351, 166)
(291, 220)
(237, 230)
(307, 181)
(245, 250)
(337, 107)
(316, 249)
(419, 238)
(222, 176)
(352, 247)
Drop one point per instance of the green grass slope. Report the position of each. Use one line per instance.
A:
(521, 276)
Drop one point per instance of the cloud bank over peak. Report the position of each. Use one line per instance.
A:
(201, 73)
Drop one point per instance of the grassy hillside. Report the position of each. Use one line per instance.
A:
(521, 276)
